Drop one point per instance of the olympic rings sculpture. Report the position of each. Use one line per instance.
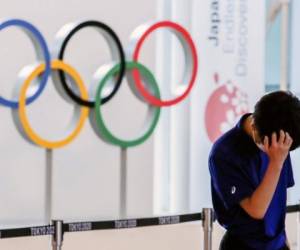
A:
(107, 79)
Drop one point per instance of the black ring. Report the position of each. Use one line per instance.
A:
(119, 79)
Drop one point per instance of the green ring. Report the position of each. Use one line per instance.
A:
(103, 130)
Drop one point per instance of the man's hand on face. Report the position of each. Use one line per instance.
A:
(277, 150)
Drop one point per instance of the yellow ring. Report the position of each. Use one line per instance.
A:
(84, 111)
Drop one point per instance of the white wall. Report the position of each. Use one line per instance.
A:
(295, 88)
(86, 172)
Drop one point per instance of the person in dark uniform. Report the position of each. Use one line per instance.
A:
(250, 168)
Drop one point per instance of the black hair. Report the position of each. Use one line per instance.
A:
(275, 111)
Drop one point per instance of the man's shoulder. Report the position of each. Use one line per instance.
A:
(225, 144)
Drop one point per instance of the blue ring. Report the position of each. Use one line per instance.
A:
(43, 45)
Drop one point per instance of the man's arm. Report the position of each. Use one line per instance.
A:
(256, 205)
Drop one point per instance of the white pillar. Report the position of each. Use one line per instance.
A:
(284, 50)
(180, 117)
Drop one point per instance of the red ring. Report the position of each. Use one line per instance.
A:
(136, 76)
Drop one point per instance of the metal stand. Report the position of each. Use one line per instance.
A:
(298, 230)
(207, 223)
(123, 184)
(57, 238)
(48, 186)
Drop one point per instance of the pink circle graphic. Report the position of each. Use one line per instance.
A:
(223, 109)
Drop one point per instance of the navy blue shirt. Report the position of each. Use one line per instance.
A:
(237, 166)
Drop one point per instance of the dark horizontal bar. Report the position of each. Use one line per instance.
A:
(27, 231)
(293, 208)
(131, 223)
(100, 225)
(112, 224)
